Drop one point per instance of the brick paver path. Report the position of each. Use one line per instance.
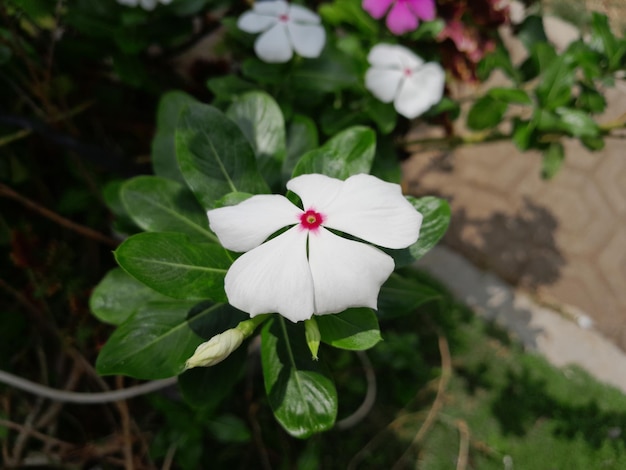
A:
(564, 239)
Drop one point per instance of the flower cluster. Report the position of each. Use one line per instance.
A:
(285, 28)
(404, 15)
(312, 268)
(399, 76)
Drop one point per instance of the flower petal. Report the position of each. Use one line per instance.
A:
(376, 8)
(307, 39)
(375, 211)
(316, 191)
(345, 273)
(419, 92)
(393, 56)
(249, 223)
(274, 45)
(383, 83)
(303, 15)
(274, 277)
(251, 22)
(275, 8)
(423, 9)
(400, 19)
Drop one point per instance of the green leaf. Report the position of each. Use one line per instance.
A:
(229, 428)
(436, 214)
(160, 205)
(334, 120)
(198, 385)
(355, 329)
(590, 99)
(214, 156)
(332, 71)
(486, 113)
(510, 95)
(593, 143)
(164, 161)
(402, 294)
(263, 72)
(118, 296)
(602, 39)
(577, 123)
(261, 121)
(348, 153)
(170, 264)
(531, 31)
(555, 87)
(157, 341)
(350, 12)
(301, 137)
(299, 390)
(553, 158)
(383, 114)
(523, 132)
(498, 59)
(229, 86)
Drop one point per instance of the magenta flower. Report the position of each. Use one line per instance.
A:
(404, 15)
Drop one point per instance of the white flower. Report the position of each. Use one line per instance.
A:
(398, 75)
(308, 269)
(215, 350)
(145, 4)
(285, 28)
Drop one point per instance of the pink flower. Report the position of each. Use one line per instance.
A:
(404, 15)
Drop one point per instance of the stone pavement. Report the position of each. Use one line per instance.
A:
(562, 241)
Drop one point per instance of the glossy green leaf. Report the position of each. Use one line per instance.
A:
(301, 137)
(161, 205)
(164, 161)
(355, 329)
(402, 294)
(261, 121)
(590, 100)
(299, 389)
(553, 158)
(383, 114)
(577, 123)
(171, 264)
(523, 133)
(119, 295)
(510, 95)
(214, 156)
(348, 153)
(498, 59)
(157, 341)
(486, 113)
(555, 86)
(436, 214)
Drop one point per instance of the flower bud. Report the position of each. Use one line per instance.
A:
(216, 349)
(313, 336)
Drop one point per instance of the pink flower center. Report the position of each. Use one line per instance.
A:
(310, 220)
(407, 72)
(284, 18)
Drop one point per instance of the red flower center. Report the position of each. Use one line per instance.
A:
(284, 18)
(408, 72)
(310, 220)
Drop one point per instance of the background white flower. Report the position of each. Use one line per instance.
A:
(398, 75)
(285, 28)
(145, 4)
(308, 269)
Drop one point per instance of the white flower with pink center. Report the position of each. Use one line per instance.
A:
(309, 269)
(284, 28)
(398, 75)
(145, 4)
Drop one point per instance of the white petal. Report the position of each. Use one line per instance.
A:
(303, 15)
(275, 8)
(130, 3)
(375, 211)
(148, 4)
(316, 191)
(251, 22)
(307, 39)
(345, 273)
(273, 45)
(383, 83)
(274, 277)
(419, 92)
(247, 224)
(393, 56)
